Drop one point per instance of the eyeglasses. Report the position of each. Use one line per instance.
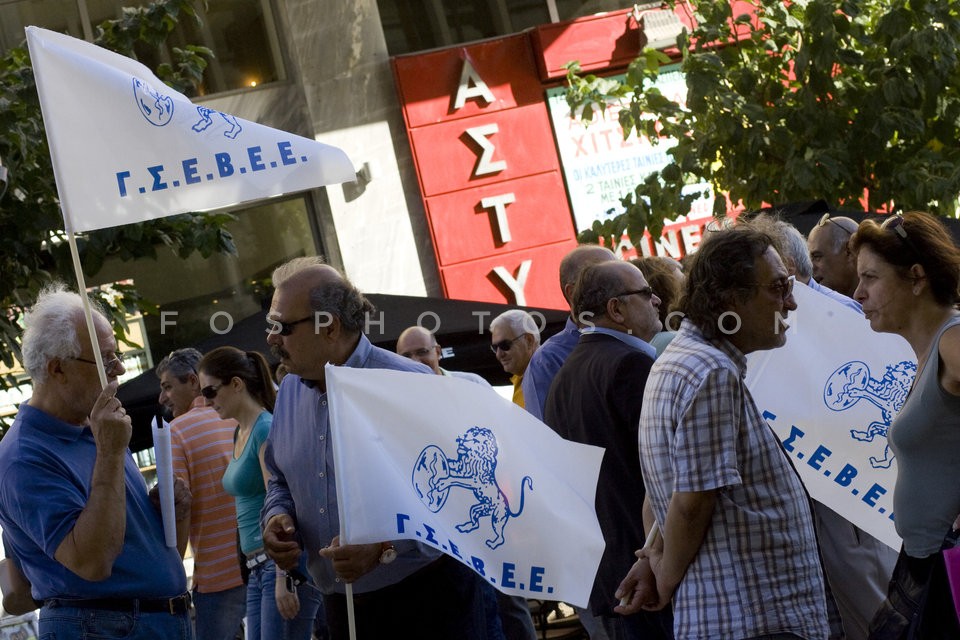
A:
(646, 292)
(826, 218)
(210, 391)
(420, 353)
(286, 328)
(895, 223)
(112, 367)
(504, 345)
(782, 287)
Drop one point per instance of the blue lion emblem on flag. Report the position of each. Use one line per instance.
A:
(851, 383)
(473, 469)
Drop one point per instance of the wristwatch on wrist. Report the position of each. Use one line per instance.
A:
(387, 553)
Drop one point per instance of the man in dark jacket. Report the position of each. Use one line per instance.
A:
(596, 399)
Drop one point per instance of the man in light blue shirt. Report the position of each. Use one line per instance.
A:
(317, 317)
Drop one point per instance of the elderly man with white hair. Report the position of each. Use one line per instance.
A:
(514, 337)
(73, 505)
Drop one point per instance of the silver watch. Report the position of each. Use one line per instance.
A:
(388, 554)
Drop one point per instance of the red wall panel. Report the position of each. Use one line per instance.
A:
(447, 156)
(428, 82)
(539, 215)
(476, 280)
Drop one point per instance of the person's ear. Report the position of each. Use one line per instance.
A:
(568, 294)
(614, 312)
(918, 274)
(55, 369)
(332, 329)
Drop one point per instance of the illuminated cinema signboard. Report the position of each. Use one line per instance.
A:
(600, 166)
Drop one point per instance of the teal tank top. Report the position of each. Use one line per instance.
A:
(243, 479)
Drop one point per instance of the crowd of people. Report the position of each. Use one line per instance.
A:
(709, 530)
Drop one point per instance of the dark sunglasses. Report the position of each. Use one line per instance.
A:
(210, 391)
(286, 328)
(504, 345)
(895, 223)
(646, 292)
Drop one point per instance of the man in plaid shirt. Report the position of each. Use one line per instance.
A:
(738, 553)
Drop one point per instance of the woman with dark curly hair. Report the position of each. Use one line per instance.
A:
(909, 273)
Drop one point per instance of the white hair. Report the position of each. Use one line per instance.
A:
(293, 267)
(51, 329)
(794, 245)
(519, 321)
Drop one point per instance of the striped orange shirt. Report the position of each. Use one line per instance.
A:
(202, 445)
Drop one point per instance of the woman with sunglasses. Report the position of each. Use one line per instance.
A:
(238, 385)
(909, 275)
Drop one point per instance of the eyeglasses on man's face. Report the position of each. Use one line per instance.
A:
(210, 391)
(286, 328)
(111, 366)
(504, 345)
(782, 287)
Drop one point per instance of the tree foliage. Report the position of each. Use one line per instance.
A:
(32, 241)
(853, 101)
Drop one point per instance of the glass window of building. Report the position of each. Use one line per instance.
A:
(241, 34)
(416, 25)
(199, 297)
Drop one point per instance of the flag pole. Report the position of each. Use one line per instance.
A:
(88, 314)
(348, 588)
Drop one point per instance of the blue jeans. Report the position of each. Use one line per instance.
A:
(220, 613)
(74, 623)
(264, 619)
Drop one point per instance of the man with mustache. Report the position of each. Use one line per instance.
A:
(317, 317)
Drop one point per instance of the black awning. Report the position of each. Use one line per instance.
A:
(461, 329)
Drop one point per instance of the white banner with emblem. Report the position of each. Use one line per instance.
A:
(451, 464)
(830, 394)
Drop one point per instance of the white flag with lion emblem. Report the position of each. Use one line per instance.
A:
(453, 465)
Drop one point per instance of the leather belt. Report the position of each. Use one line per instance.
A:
(173, 606)
(256, 560)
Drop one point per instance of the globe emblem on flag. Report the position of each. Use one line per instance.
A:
(430, 468)
(156, 107)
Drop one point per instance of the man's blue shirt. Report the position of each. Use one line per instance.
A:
(299, 455)
(835, 295)
(543, 367)
(46, 466)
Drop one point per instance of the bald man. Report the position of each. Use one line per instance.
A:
(317, 316)
(418, 344)
(547, 360)
(834, 266)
